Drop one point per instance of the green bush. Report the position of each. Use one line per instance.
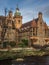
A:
(21, 45)
(24, 43)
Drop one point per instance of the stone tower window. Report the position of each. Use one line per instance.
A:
(19, 21)
(41, 23)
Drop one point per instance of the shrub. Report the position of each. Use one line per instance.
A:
(24, 43)
(21, 45)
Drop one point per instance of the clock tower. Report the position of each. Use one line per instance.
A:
(18, 18)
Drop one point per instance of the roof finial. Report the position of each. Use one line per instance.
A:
(17, 7)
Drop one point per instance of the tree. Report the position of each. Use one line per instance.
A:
(25, 41)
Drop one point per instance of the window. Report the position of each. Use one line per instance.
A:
(41, 23)
(33, 33)
(36, 31)
(18, 21)
(33, 29)
(45, 32)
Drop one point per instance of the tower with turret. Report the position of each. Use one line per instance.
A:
(18, 18)
(41, 29)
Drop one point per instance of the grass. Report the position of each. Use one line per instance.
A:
(22, 53)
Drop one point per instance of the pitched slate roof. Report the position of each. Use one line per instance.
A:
(26, 24)
(2, 18)
(32, 23)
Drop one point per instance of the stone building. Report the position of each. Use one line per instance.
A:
(35, 31)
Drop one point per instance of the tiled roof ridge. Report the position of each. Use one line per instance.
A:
(30, 21)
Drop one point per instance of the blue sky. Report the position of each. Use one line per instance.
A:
(29, 8)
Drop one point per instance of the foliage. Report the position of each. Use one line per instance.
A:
(24, 43)
(6, 44)
(22, 53)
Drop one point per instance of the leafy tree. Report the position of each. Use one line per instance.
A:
(24, 43)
